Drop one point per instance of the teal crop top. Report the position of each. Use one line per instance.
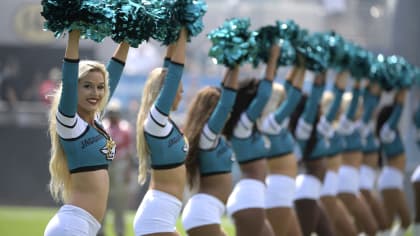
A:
(280, 144)
(217, 160)
(215, 155)
(86, 147)
(250, 149)
(167, 144)
(390, 140)
(168, 151)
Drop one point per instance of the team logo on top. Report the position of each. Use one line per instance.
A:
(109, 149)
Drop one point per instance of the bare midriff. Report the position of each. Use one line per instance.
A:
(219, 186)
(352, 158)
(283, 165)
(333, 163)
(397, 162)
(171, 181)
(254, 170)
(89, 191)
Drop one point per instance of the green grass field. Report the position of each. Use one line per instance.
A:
(22, 221)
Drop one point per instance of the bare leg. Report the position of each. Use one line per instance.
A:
(164, 234)
(213, 229)
(294, 226)
(324, 226)
(311, 217)
(250, 222)
(416, 186)
(361, 213)
(396, 204)
(280, 218)
(339, 216)
(377, 209)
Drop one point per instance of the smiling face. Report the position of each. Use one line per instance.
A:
(91, 91)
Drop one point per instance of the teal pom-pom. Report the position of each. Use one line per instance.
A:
(265, 38)
(173, 15)
(191, 14)
(233, 43)
(339, 51)
(132, 22)
(268, 35)
(315, 50)
(287, 53)
(416, 75)
(168, 25)
(360, 62)
(288, 30)
(398, 72)
(378, 73)
(93, 18)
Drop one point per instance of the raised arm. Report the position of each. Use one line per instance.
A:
(338, 90)
(68, 100)
(294, 94)
(311, 106)
(370, 101)
(115, 66)
(227, 99)
(173, 76)
(264, 88)
(351, 110)
(397, 110)
(169, 52)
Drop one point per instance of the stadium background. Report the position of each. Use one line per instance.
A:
(385, 26)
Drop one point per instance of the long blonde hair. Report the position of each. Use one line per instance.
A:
(60, 175)
(151, 90)
(198, 114)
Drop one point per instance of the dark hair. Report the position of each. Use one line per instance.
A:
(246, 93)
(383, 115)
(199, 112)
(294, 118)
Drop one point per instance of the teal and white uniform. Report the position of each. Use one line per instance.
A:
(391, 143)
(215, 155)
(275, 125)
(334, 142)
(369, 140)
(167, 144)
(305, 124)
(247, 142)
(86, 147)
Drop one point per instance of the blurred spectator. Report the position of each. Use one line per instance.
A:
(8, 82)
(48, 85)
(120, 169)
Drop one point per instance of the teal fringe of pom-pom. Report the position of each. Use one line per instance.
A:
(315, 50)
(233, 43)
(177, 14)
(92, 18)
(360, 62)
(398, 72)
